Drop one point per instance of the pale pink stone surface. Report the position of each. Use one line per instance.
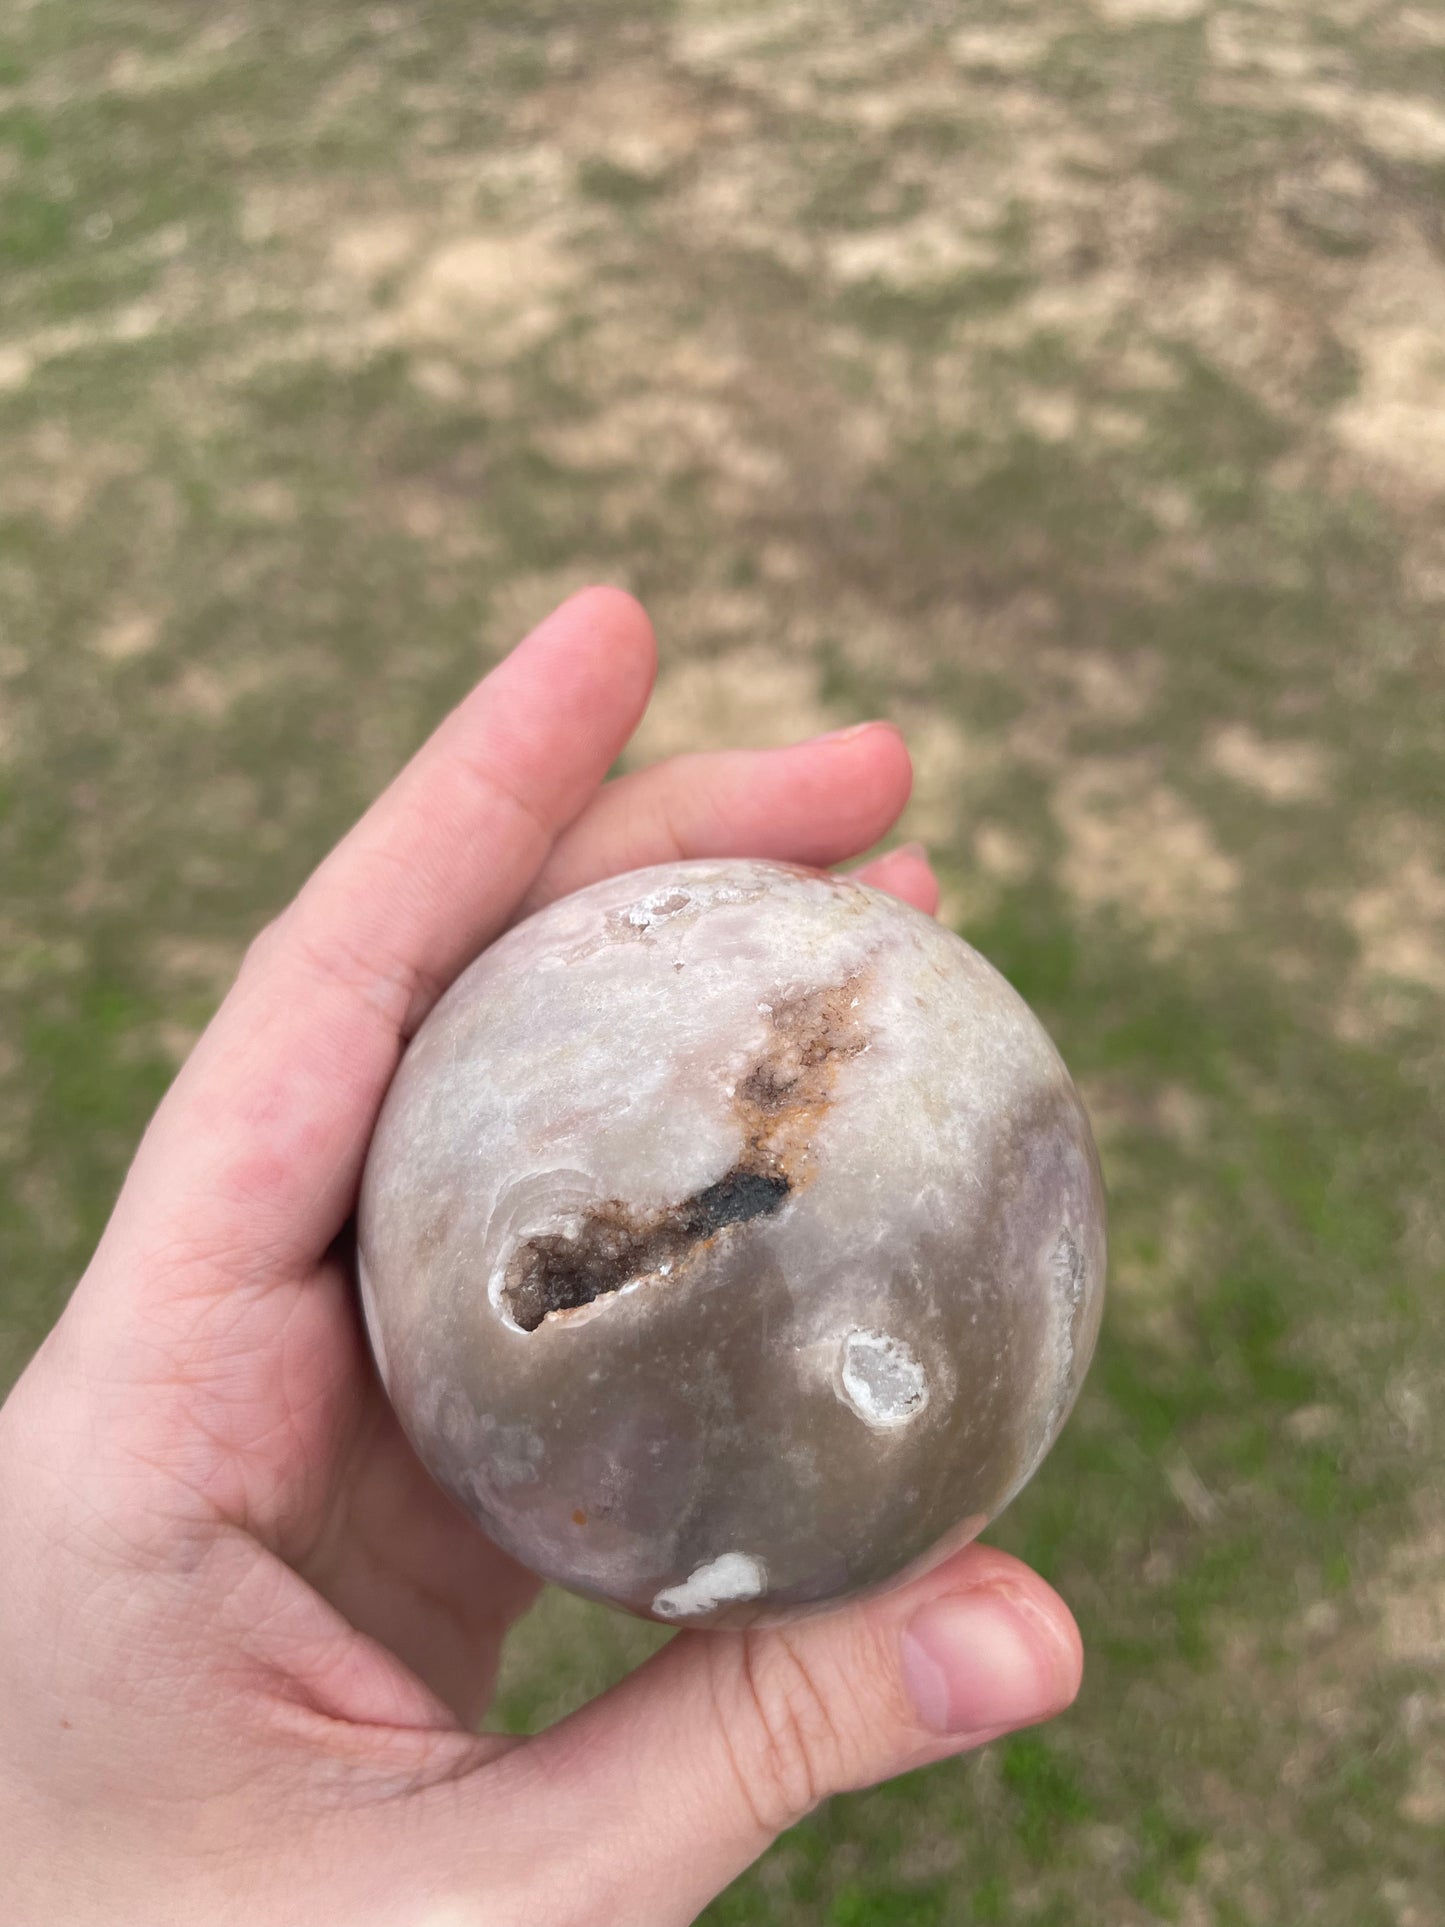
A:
(770, 1412)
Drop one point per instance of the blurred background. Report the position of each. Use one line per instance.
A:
(1064, 379)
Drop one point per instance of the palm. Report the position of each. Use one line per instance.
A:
(288, 1439)
(381, 1540)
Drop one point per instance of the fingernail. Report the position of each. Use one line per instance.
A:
(853, 729)
(974, 1662)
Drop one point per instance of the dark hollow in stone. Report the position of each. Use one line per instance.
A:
(733, 1200)
(777, 1102)
(614, 1246)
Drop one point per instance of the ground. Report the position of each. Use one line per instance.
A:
(1066, 380)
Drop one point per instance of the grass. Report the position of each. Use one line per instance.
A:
(1103, 515)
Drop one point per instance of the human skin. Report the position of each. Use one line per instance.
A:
(245, 1641)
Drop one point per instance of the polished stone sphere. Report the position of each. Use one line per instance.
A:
(731, 1241)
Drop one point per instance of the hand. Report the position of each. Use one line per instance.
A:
(244, 1640)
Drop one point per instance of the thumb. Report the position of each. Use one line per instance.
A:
(697, 1761)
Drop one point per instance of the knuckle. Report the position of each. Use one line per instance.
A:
(329, 956)
(262, 948)
(655, 819)
(787, 1743)
(696, 818)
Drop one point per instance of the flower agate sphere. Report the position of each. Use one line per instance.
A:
(732, 1240)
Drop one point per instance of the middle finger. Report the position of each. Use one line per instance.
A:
(818, 802)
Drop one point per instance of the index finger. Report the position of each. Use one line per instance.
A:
(254, 1156)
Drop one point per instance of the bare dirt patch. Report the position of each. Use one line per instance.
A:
(751, 697)
(1395, 325)
(1399, 919)
(127, 635)
(1409, 1598)
(490, 295)
(638, 115)
(367, 251)
(1132, 844)
(1283, 771)
(1133, 12)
